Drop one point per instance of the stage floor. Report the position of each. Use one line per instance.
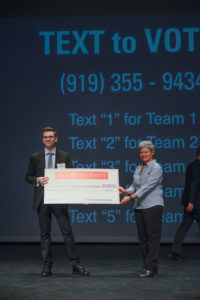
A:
(112, 277)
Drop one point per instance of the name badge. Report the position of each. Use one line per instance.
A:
(61, 166)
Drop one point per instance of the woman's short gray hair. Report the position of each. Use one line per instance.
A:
(147, 144)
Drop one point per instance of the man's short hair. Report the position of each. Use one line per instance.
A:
(49, 129)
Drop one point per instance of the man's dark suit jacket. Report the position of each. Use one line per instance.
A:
(36, 169)
(192, 185)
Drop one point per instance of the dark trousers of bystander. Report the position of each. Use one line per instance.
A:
(183, 229)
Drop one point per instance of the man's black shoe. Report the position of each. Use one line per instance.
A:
(46, 271)
(140, 272)
(175, 256)
(146, 274)
(79, 270)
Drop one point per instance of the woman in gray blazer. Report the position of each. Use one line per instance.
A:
(147, 193)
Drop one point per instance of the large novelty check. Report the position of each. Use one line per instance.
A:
(89, 186)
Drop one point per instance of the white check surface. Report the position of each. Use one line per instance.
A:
(86, 186)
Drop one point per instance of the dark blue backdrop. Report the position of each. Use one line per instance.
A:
(104, 83)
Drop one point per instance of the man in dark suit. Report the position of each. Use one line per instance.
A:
(191, 203)
(51, 157)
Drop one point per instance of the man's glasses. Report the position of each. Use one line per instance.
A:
(48, 137)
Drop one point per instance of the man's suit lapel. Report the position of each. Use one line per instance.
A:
(57, 157)
(42, 159)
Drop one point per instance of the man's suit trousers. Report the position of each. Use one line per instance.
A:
(60, 212)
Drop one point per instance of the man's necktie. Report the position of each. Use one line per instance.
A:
(50, 161)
